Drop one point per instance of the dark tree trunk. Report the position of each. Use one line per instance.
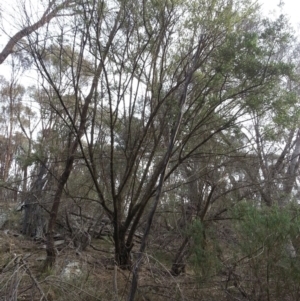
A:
(50, 249)
(122, 249)
(178, 266)
(34, 218)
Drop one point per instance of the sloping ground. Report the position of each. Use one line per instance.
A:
(90, 275)
(230, 263)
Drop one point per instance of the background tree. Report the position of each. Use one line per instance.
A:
(169, 116)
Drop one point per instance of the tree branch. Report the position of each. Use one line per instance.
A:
(46, 18)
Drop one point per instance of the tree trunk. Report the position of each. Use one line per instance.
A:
(34, 219)
(50, 249)
(122, 249)
(178, 265)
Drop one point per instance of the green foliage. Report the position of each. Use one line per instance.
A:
(204, 259)
(261, 227)
(266, 244)
(208, 64)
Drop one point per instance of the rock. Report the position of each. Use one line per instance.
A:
(59, 242)
(20, 206)
(72, 270)
(56, 244)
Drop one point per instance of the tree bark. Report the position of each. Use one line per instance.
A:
(34, 219)
(50, 249)
(122, 250)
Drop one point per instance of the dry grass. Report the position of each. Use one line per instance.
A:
(94, 278)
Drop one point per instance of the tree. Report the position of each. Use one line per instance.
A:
(144, 95)
(77, 118)
(11, 95)
(52, 10)
(152, 103)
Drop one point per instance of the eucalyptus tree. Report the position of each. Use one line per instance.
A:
(176, 77)
(93, 26)
(45, 157)
(272, 136)
(12, 140)
(11, 96)
(141, 89)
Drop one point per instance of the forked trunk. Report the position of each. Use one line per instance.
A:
(123, 257)
(122, 250)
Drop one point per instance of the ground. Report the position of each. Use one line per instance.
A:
(89, 275)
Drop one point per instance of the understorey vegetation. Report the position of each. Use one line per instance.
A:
(153, 151)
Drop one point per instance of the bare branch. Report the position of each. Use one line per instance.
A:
(46, 18)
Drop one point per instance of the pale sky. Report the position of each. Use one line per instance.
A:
(11, 22)
(290, 8)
